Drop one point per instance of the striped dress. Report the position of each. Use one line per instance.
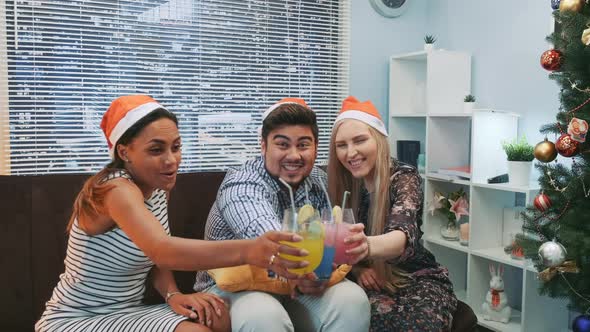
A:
(104, 282)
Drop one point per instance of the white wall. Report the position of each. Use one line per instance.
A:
(373, 39)
(505, 39)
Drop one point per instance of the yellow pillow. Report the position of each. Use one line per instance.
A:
(248, 277)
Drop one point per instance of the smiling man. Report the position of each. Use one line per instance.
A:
(251, 201)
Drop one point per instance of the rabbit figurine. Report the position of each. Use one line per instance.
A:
(496, 305)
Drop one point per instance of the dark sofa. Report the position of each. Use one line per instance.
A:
(34, 211)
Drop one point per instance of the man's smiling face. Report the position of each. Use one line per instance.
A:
(289, 153)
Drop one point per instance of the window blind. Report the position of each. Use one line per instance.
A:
(216, 64)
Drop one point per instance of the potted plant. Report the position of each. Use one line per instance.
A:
(520, 158)
(429, 42)
(468, 103)
(452, 207)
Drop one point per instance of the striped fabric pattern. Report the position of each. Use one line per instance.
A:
(104, 282)
(251, 202)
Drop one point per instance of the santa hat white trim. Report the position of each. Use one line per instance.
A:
(275, 106)
(130, 118)
(363, 117)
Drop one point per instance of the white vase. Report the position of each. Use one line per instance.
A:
(428, 47)
(468, 107)
(519, 172)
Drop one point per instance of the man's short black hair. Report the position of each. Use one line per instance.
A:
(290, 115)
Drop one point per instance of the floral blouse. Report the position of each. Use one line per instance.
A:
(406, 199)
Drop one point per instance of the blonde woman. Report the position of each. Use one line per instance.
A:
(407, 289)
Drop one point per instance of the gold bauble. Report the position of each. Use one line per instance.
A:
(545, 151)
(586, 37)
(571, 5)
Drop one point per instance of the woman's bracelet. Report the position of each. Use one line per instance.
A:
(368, 249)
(169, 295)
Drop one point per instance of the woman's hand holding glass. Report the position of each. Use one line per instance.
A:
(359, 243)
(351, 241)
(268, 251)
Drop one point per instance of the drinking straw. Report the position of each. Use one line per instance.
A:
(290, 195)
(326, 193)
(346, 193)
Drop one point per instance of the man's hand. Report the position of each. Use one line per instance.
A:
(309, 285)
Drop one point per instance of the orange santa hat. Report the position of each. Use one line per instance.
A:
(283, 102)
(364, 111)
(123, 113)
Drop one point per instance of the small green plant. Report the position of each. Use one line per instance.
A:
(469, 99)
(518, 150)
(429, 39)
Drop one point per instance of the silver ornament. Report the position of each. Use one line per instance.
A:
(586, 36)
(552, 253)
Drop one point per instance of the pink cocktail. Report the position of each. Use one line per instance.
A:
(342, 232)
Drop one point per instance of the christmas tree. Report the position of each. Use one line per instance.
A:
(557, 227)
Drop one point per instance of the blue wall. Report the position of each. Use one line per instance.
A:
(506, 41)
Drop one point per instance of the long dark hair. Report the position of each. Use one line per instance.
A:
(90, 200)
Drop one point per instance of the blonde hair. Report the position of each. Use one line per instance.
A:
(340, 179)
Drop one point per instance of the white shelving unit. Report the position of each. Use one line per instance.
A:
(426, 93)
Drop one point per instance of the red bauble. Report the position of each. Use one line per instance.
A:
(566, 146)
(542, 202)
(551, 59)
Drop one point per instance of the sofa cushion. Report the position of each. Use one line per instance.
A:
(33, 238)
